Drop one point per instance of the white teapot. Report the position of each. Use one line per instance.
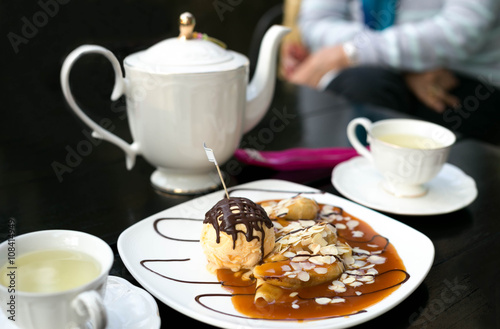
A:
(180, 93)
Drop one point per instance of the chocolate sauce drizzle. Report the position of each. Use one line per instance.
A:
(406, 278)
(239, 189)
(200, 297)
(253, 222)
(228, 213)
(145, 261)
(367, 241)
(156, 222)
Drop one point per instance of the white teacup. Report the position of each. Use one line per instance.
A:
(73, 308)
(407, 152)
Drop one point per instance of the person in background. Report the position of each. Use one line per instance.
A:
(437, 59)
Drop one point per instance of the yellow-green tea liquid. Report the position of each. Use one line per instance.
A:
(51, 271)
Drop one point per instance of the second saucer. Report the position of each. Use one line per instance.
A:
(449, 191)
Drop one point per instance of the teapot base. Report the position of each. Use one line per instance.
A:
(172, 182)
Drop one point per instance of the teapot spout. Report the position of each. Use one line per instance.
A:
(261, 89)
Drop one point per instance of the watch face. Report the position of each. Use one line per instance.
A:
(351, 52)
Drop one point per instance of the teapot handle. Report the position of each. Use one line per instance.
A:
(131, 150)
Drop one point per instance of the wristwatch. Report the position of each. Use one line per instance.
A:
(351, 52)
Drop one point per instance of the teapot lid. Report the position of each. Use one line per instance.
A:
(191, 52)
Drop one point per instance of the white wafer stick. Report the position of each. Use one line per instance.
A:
(211, 158)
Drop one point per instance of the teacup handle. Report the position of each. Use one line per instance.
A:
(131, 150)
(89, 305)
(353, 138)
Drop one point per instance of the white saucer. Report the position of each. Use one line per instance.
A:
(359, 181)
(127, 306)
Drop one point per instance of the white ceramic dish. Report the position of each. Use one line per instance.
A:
(141, 242)
(358, 180)
(181, 92)
(127, 307)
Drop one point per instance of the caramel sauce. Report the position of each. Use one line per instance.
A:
(303, 306)
(391, 275)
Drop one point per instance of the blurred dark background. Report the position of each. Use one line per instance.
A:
(37, 125)
(102, 198)
(37, 36)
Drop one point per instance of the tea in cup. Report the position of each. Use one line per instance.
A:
(54, 279)
(407, 152)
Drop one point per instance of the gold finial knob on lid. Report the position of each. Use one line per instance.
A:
(186, 25)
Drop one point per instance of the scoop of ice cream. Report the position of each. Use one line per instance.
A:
(236, 234)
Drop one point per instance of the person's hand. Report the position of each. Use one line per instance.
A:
(433, 88)
(315, 66)
(292, 54)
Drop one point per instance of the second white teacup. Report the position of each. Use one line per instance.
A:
(407, 152)
(46, 281)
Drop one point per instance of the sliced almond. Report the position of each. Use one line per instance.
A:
(303, 276)
(306, 241)
(300, 258)
(348, 260)
(360, 251)
(318, 239)
(337, 289)
(355, 284)
(329, 250)
(357, 234)
(365, 278)
(328, 259)
(307, 223)
(349, 279)
(323, 300)
(338, 283)
(307, 266)
(359, 264)
(315, 248)
(318, 260)
(376, 259)
(320, 270)
(352, 224)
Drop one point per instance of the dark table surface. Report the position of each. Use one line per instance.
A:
(101, 197)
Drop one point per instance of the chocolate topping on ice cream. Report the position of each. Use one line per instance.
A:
(228, 213)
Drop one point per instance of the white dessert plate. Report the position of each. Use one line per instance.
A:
(168, 244)
(127, 307)
(358, 180)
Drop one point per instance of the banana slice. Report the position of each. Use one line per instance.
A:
(302, 208)
(295, 208)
